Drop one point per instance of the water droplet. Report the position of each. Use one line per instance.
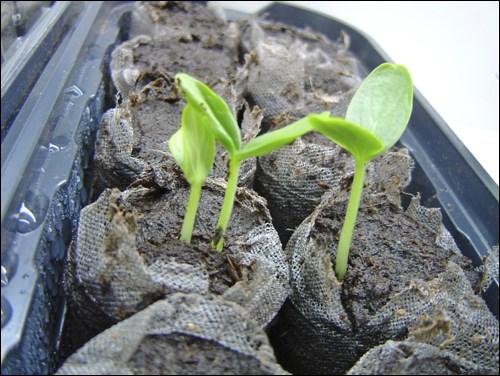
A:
(9, 266)
(53, 148)
(32, 212)
(5, 278)
(61, 141)
(6, 311)
(26, 220)
(73, 205)
(26, 276)
(94, 51)
(50, 233)
(41, 354)
(23, 292)
(58, 209)
(74, 91)
(79, 183)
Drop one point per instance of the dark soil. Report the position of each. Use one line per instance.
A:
(190, 355)
(388, 251)
(159, 218)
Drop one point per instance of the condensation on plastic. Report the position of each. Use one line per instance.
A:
(53, 98)
(446, 174)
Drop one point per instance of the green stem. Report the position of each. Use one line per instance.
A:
(227, 204)
(350, 220)
(191, 209)
(270, 141)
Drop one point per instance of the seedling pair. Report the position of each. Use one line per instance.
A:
(375, 119)
(207, 118)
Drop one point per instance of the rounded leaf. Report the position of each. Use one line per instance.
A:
(383, 103)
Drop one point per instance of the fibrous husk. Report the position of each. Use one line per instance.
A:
(183, 334)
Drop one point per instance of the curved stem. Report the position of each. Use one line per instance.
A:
(350, 220)
(227, 204)
(191, 209)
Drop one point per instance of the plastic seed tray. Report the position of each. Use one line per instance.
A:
(55, 90)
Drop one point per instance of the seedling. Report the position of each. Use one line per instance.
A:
(213, 112)
(193, 148)
(375, 120)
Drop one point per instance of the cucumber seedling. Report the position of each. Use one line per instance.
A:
(375, 120)
(214, 113)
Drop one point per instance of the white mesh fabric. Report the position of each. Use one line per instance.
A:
(294, 178)
(464, 325)
(105, 262)
(413, 358)
(111, 273)
(129, 346)
(490, 269)
(264, 295)
(447, 314)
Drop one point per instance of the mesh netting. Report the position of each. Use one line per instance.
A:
(320, 75)
(414, 358)
(181, 334)
(490, 272)
(294, 178)
(105, 280)
(390, 289)
(132, 139)
(115, 166)
(269, 286)
(446, 313)
(127, 255)
(166, 39)
(454, 334)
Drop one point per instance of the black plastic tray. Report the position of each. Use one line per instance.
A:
(446, 174)
(50, 115)
(53, 97)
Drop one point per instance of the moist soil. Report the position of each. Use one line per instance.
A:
(157, 237)
(194, 40)
(388, 251)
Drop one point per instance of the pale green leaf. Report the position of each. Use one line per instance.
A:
(175, 144)
(271, 141)
(193, 146)
(383, 103)
(362, 144)
(222, 123)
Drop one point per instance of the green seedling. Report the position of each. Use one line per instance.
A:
(375, 120)
(193, 148)
(223, 127)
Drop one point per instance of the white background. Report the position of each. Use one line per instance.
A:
(451, 50)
